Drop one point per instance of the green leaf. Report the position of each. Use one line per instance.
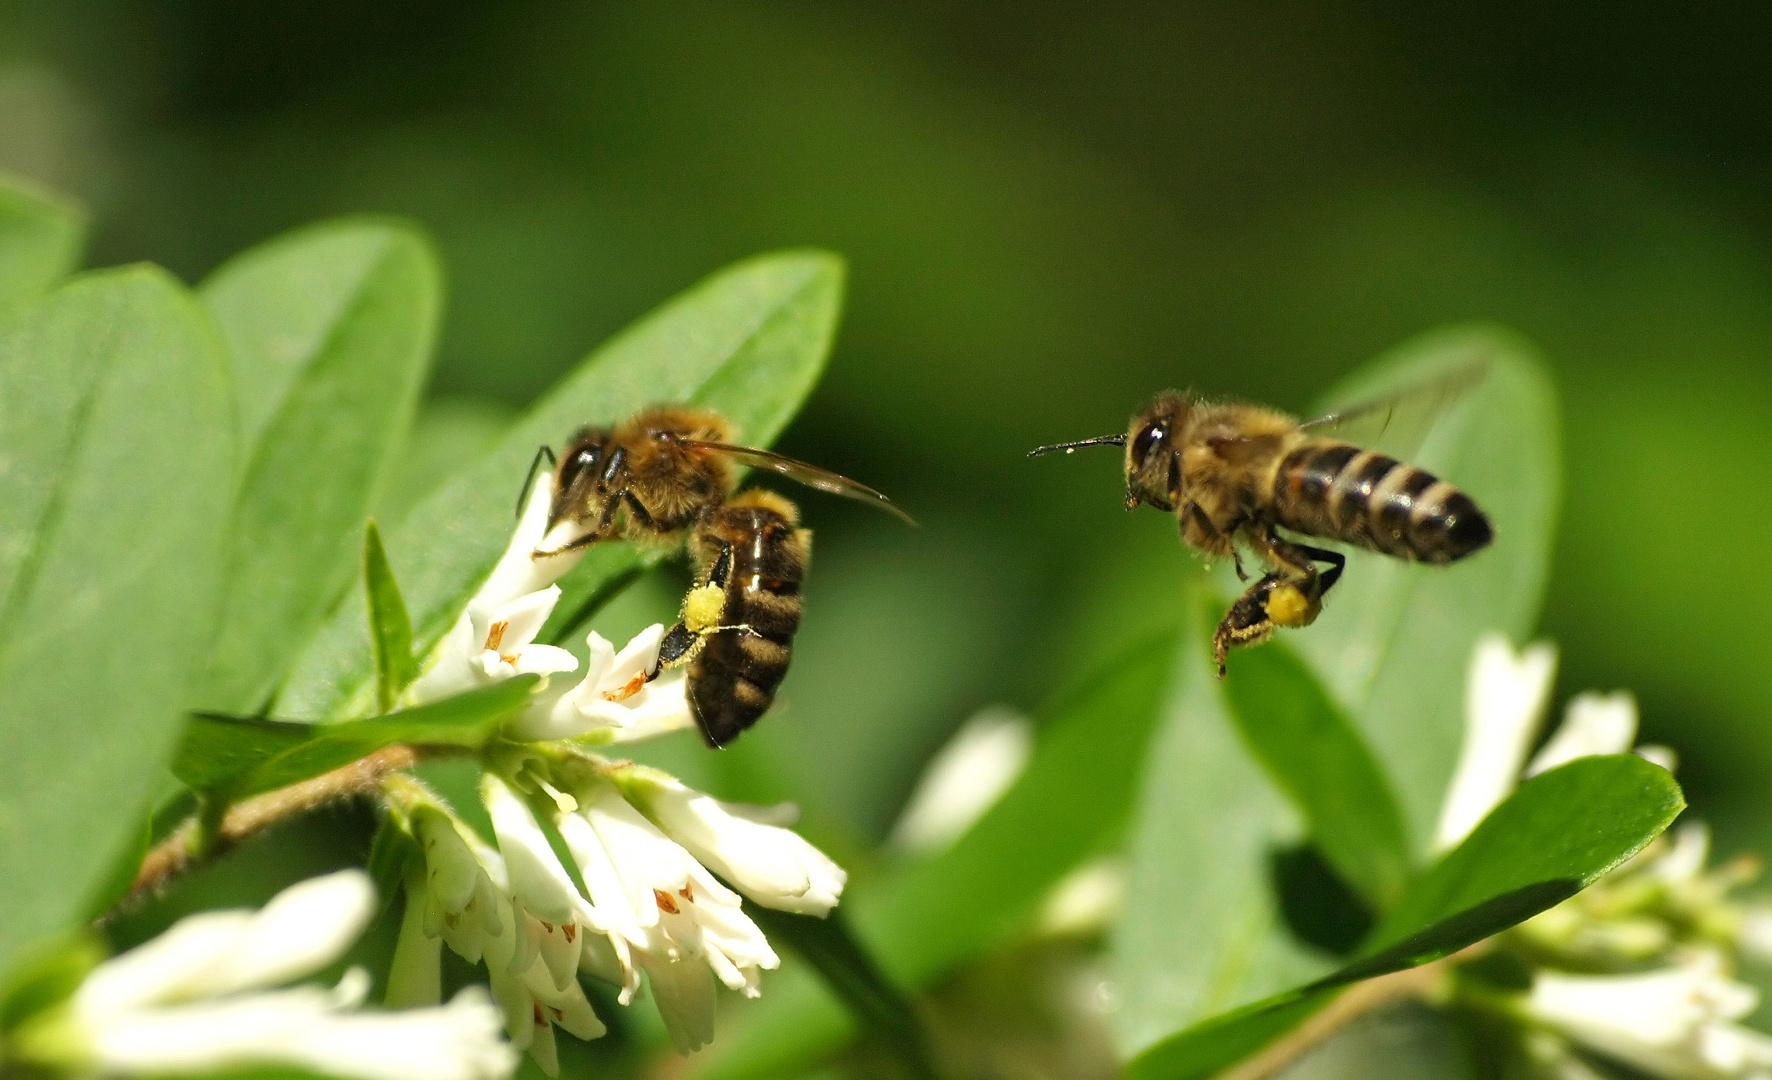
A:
(329, 331)
(40, 240)
(1316, 755)
(1559, 833)
(116, 460)
(1074, 796)
(390, 628)
(1209, 824)
(1394, 639)
(236, 757)
(847, 968)
(749, 341)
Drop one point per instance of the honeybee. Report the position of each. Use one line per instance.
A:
(658, 472)
(738, 623)
(1240, 473)
(670, 469)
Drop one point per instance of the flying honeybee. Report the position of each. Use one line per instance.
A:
(672, 468)
(1240, 473)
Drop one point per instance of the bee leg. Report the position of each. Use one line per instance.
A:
(1247, 622)
(639, 511)
(677, 646)
(1237, 564)
(573, 545)
(1336, 560)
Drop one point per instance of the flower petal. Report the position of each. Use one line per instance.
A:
(964, 779)
(1504, 696)
(1593, 724)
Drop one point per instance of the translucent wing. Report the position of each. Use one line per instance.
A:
(1398, 423)
(810, 475)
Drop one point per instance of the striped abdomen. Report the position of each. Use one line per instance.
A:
(734, 675)
(1340, 492)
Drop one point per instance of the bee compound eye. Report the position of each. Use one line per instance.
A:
(1147, 439)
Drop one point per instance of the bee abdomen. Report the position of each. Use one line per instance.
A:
(1362, 497)
(733, 679)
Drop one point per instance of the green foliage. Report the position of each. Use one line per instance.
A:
(1314, 753)
(115, 427)
(390, 628)
(1557, 834)
(329, 332)
(943, 910)
(1394, 639)
(851, 974)
(234, 757)
(40, 240)
(750, 342)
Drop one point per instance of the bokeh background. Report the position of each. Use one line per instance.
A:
(1049, 212)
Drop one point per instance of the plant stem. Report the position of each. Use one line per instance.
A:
(193, 844)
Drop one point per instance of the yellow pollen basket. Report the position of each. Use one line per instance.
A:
(703, 607)
(1288, 605)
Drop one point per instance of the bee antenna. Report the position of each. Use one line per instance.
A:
(1067, 447)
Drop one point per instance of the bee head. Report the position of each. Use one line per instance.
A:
(579, 470)
(1153, 454)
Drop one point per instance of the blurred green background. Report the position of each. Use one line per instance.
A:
(1049, 212)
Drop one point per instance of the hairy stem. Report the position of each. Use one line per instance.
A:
(203, 838)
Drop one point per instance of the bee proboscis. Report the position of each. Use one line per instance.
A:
(1238, 474)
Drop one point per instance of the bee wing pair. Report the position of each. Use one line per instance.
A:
(810, 475)
(1398, 423)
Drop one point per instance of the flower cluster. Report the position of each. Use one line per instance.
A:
(602, 868)
(200, 999)
(1636, 969)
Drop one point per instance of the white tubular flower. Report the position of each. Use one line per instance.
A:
(964, 779)
(665, 910)
(493, 638)
(614, 702)
(1593, 724)
(1504, 696)
(195, 1001)
(772, 865)
(1675, 1023)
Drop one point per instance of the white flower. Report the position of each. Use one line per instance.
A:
(196, 1001)
(517, 911)
(494, 637)
(772, 865)
(1675, 1022)
(1593, 724)
(668, 913)
(1504, 696)
(614, 702)
(964, 779)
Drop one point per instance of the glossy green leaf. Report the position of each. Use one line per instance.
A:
(1202, 929)
(1320, 760)
(749, 341)
(116, 462)
(1394, 639)
(241, 756)
(1074, 795)
(329, 332)
(390, 628)
(40, 240)
(852, 974)
(1560, 832)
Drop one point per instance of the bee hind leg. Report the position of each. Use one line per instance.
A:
(1247, 623)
